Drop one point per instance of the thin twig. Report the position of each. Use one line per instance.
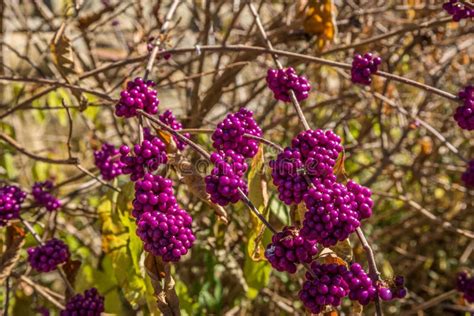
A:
(14, 144)
(157, 43)
(261, 29)
(256, 49)
(210, 131)
(373, 271)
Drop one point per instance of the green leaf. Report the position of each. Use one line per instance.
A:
(257, 275)
(8, 163)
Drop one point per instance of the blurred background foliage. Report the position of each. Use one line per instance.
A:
(422, 214)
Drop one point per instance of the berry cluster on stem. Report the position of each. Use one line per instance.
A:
(47, 257)
(281, 81)
(363, 67)
(465, 285)
(288, 249)
(464, 114)
(458, 10)
(108, 162)
(11, 198)
(91, 303)
(41, 192)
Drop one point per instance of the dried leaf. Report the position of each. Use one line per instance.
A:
(320, 21)
(356, 309)
(339, 168)
(87, 19)
(71, 268)
(343, 249)
(168, 139)
(15, 238)
(158, 271)
(62, 53)
(334, 259)
(197, 186)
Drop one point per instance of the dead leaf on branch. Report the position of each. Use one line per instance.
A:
(160, 272)
(320, 21)
(15, 238)
(62, 53)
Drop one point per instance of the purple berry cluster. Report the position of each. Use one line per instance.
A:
(153, 193)
(361, 286)
(169, 119)
(361, 201)
(149, 155)
(468, 175)
(458, 10)
(281, 81)
(226, 177)
(363, 67)
(229, 133)
(108, 162)
(168, 235)
(313, 152)
(47, 257)
(138, 95)
(465, 285)
(319, 150)
(41, 194)
(162, 225)
(287, 177)
(464, 114)
(288, 249)
(90, 304)
(11, 198)
(324, 285)
(331, 216)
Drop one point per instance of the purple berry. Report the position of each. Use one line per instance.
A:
(287, 176)
(153, 193)
(464, 114)
(108, 162)
(319, 151)
(468, 175)
(138, 95)
(363, 67)
(331, 216)
(458, 10)
(47, 257)
(226, 177)
(168, 235)
(229, 133)
(288, 249)
(41, 193)
(361, 200)
(361, 286)
(149, 155)
(324, 286)
(90, 304)
(465, 285)
(281, 81)
(11, 198)
(169, 119)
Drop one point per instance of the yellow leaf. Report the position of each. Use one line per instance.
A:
(258, 194)
(320, 21)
